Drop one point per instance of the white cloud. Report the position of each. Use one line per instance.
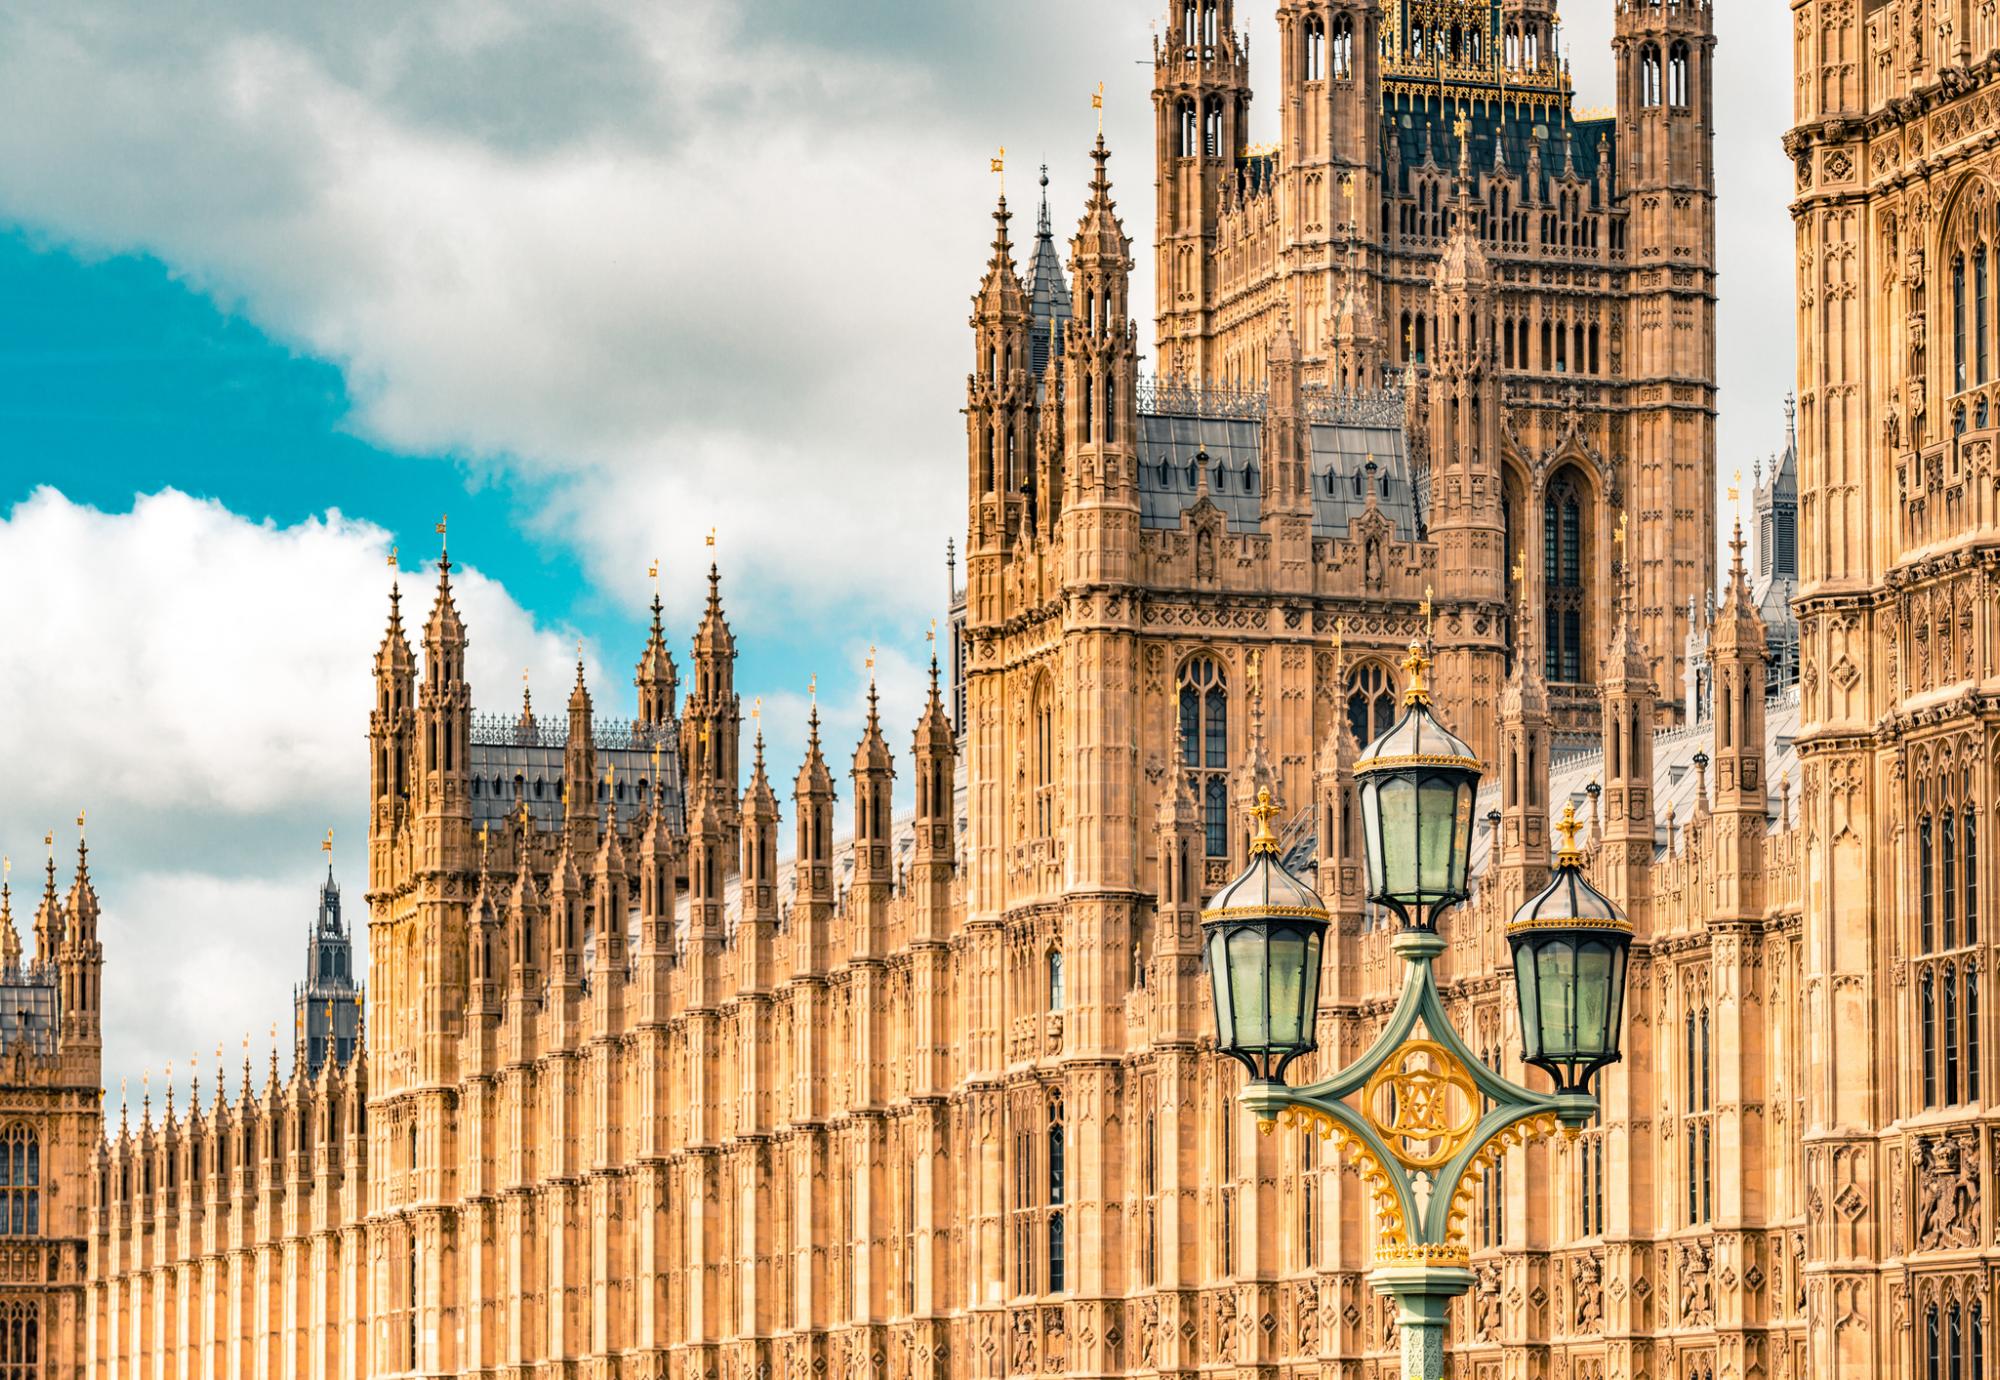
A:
(200, 682)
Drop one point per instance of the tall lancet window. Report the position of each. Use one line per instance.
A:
(20, 1181)
(21, 1340)
(1371, 701)
(1204, 705)
(1949, 956)
(1058, 1195)
(1563, 592)
(1043, 749)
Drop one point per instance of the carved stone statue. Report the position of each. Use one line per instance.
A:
(1947, 1195)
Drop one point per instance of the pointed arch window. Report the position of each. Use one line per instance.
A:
(1679, 72)
(1343, 48)
(1697, 1128)
(1057, 1161)
(1649, 76)
(1563, 585)
(1204, 723)
(1948, 957)
(1371, 701)
(20, 1181)
(21, 1340)
(1314, 53)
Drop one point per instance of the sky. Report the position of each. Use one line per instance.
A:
(281, 286)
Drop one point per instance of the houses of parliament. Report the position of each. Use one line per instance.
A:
(668, 1072)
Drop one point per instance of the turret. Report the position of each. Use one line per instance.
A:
(81, 961)
(610, 913)
(708, 863)
(392, 733)
(1201, 112)
(1467, 520)
(657, 679)
(565, 948)
(579, 767)
(1000, 411)
(756, 932)
(1629, 706)
(1100, 380)
(812, 875)
(1330, 114)
(1528, 36)
(1741, 800)
(712, 725)
(1666, 174)
(48, 916)
(444, 725)
(656, 867)
(10, 933)
(1521, 857)
(874, 803)
(932, 753)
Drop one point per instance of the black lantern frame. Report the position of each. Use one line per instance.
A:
(1571, 947)
(1417, 785)
(1261, 942)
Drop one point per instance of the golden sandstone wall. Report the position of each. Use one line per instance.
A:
(939, 1102)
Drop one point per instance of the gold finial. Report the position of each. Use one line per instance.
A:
(1429, 615)
(1097, 104)
(79, 821)
(6, 869)
(931, 636)
(757, 710)
(49, 841)
(999, 164)
(1735, 487)
(711, 536)
(656, 761)
(1624, 519)
(392, 558)
(326, 847)
(1416, 663)
(871, 663)
(653, 573)
(1521, 579)
(1461, 126)
(610, 777)
(1569, 827)
(812, 689)
(1263, 812)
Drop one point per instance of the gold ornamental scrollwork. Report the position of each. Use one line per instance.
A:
(1393, 1230)
(1423, 1103)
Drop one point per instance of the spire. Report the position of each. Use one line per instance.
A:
(1000, 292)
(48, 916)
(10, 936)
(658, 680)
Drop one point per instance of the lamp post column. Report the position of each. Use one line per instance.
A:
(1423, 1296)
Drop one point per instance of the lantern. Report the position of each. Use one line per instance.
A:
(1417, 784)
(1570, 946)
(1262, 936)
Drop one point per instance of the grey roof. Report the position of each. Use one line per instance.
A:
(506, 774)
(1169, 483)
(28, 1011)
(1047, 286)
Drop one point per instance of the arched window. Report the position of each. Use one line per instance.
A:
(21, 1340)
(1563, 592)
(1057, 1165)
(1211, 128)
(1678, 94)
(1315, 48)
(20, 1181)
(1958, 323)
(1343, 48)
(1204, 712)
(1649, 76)
(1696, 1120)
(1184, 145)
(1371, 701)
(1054, 964)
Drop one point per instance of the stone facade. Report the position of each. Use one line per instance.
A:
(940, 1100)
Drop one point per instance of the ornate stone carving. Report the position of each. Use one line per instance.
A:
(1947, 1193)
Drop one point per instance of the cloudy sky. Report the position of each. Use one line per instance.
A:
(279, 285)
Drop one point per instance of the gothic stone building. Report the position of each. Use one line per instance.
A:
(938, 1099)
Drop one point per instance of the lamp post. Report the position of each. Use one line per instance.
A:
(1417, 1115)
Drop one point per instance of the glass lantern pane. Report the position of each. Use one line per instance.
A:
(1462, 847)
(1310, 1005)
(1246, 964)
(1530, 1003)
(1615, 1007)
(1593, 1000)
(1555, 976)
(1398, 843)
(1371, 829)
(1287, 991)
(1218, 981)
(1437, 809)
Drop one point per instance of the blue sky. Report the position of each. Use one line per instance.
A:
(280, 285)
